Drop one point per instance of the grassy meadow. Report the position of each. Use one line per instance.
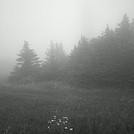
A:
(57, 108)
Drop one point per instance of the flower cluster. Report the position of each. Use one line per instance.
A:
(61, 124)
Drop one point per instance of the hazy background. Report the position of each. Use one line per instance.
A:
(40, 21)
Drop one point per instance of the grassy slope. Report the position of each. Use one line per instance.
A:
(27, 109)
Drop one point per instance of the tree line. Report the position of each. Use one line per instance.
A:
(105, 60)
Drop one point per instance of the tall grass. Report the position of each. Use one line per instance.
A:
(38, 109)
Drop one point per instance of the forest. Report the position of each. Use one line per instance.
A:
(89, 91)
(106, 60)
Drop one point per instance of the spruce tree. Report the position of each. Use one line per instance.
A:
(79, 62)
(123, 31)
(55, 61)
(27, 66)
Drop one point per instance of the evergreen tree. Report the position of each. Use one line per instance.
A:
(79, 61)
(132, 31)
(123, 31)
(108, 59)
(55, 61)
(27, 66)
(50, 60)
(126, 50)
(60, 54)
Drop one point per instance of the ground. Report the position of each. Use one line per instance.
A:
(57, 108)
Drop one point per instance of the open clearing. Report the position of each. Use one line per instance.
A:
(56, 108)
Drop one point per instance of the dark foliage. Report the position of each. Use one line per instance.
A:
(107, 60)
(53, 67)
(27, 67)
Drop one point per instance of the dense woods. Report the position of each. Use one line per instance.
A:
(107, 60)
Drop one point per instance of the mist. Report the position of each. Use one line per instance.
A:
(63, 21)
(67, 66)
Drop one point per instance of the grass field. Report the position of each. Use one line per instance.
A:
(56, 108)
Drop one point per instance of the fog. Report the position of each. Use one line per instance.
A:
(40, 21)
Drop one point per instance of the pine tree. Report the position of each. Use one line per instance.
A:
(79, 61)
(55, 61)
(123, 31)
(132, 31)
(27, 66)
(108, 59)
(61, 57)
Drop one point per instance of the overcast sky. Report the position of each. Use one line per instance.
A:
(40, 21)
